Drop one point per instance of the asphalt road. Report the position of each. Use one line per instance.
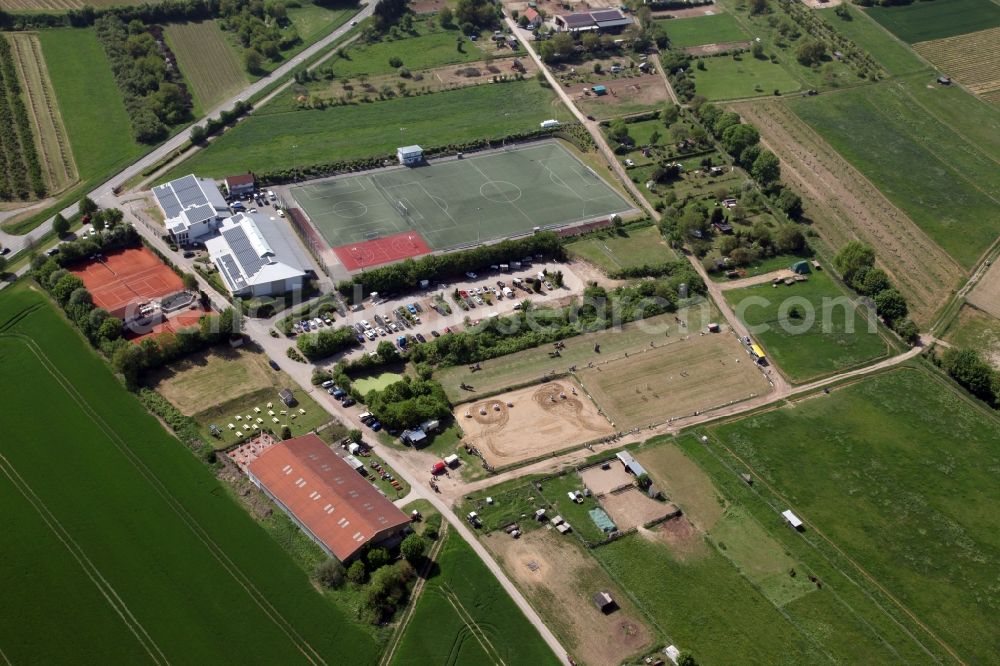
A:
(104, 195)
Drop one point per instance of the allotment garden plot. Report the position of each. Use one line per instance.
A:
(458, 202)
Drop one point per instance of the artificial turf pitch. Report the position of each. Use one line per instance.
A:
(460, 202)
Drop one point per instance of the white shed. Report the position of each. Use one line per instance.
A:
(792, 519)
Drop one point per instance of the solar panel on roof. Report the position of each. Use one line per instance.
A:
(233, 271)
(246, 255)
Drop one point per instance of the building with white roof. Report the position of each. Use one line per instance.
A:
(193, 208)
(255, 256)
(410, 155)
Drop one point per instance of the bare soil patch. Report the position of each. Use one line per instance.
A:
(531, 422)
(821, 4)
(560, 579)
(844, 206)
(601, 481)
(683, 539)
(632, 508)
(684, 484)
(715, 49)
(686, 376)
(986, 294)
(430, 6)
(645, 89)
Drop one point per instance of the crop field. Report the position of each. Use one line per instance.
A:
(274, 140)
(727, 78)
(831, 333)
(532, 365)
(972, 59)
(676, 378)
(977, 330)
(559, 578)
(896, 495)
(933, 169)
(888, 51)
(52, 143)
(626, 249)
(700, 30)
(922, 21)
(20, 170)
(209, 63)
(99, 134)
(531, 422)
(143, 561)
(465, 617)
(986, 294)
(843, 205)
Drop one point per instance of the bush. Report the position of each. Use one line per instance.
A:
(413, 548)
(356, 572)
(976, 375)
(377, 558)
(330, 574)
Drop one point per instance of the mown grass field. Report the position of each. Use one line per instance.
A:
(531, 364)
(152, 558)
(210, 64)
(629, 248)
(899, 471)
(888, 51)
(727, 78)
(313, 20)
(977, 330)
(271, 140)
(465, 617)
(932, 151)
(830, 334)
(922, 21)
(54, 152)
(700, 30)
(99, 133)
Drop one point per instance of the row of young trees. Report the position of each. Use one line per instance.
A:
(406, 275)
(20, 169)
(156, 97)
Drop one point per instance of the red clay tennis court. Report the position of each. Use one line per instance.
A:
(127, 276)
(366, 254)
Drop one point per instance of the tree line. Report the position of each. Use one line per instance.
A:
(156, 97)
(20, 169)
(856, 264)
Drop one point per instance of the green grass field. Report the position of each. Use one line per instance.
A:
(922, 21)
(899, 471)
(977, 330)
(462, 201)
(270, 140)
(150, 556)
(700, 30)
(928, 150)
(531, 364)
(822, 341)
(313, 20)
(99, 133)
(889, 52)
(726, 78)
(210, 64)
(424, 50)
(465, 617)
(613, 251)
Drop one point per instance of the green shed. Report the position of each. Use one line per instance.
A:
(801, 267)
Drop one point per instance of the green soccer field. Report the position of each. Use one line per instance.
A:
(462, 201)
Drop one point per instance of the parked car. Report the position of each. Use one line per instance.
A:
(188, 254)
(471, 275)
(348, 401)
(421, 338)
(375, 426)
(411, 309)
(274, 366)
(435, 334)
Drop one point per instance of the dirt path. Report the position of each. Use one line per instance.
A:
(655, 58)
(846, 206)
(418, 589)
(781, 273)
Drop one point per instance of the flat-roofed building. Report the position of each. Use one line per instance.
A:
(256, 256)
(193, 208)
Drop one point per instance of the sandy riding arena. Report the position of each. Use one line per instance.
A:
(531, 422)
(632, 507)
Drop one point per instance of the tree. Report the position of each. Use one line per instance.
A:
(643, 480)
(3, 265)
(976, 375)
(98, 222)
(110, 329)
(198, 134)
(413, 548)
(789, 239)
(759, 7)
(810, 52)
(669, 114)
(286, 432)
(791, 203)
(445, 17)
(618, 132)
(724, 122)
(356, 572)
(686, 659)
(87, 206)
(872, 282)
(190, 281)
(386, 351)
(354, 435)
(330, 573)
(757, 50)
(891, 305)
(60, 225)
(112, 217)
(852, 258)
(377, 558)
(907, 330)
(739, 137)
(253, 61)
(766, 168)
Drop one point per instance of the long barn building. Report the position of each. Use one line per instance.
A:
(333, 504)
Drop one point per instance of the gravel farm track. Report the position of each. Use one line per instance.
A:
(844, 205)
